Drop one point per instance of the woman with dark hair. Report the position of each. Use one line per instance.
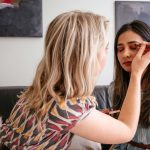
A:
(127, 43)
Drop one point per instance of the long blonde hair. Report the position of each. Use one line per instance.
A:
(67, 67)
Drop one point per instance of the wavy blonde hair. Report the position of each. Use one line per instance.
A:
(67, 67)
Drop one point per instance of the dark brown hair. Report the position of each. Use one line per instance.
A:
(122, 77)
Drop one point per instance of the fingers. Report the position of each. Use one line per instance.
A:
(147, 48)
(146, 53)
(142, 59)
(142, 49)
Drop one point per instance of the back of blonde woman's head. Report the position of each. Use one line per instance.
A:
(67, 67)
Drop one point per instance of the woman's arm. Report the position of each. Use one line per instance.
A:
(102, 128)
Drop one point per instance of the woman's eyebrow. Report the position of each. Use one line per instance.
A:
(134, 42)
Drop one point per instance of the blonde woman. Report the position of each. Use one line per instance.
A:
(58, 103)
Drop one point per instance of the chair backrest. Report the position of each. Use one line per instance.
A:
(8, 98)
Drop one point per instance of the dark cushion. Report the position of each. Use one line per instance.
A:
(8, 98)
(102, 96)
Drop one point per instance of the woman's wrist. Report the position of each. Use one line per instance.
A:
(136, 76)
(135, 79)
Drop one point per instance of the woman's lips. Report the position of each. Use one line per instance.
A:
(128, 63)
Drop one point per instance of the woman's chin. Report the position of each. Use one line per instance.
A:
(127, 69)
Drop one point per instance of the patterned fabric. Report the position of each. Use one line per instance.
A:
(22, 132)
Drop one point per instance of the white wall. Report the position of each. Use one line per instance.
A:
(19, 56)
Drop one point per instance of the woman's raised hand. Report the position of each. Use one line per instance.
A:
(142, 59)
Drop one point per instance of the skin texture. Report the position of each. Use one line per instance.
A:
(128, 48)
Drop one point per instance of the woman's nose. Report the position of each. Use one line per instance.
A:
(126, 53)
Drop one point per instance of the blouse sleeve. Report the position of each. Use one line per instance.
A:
(64, 115)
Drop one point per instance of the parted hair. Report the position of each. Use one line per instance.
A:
(122, 77)
(67, 68)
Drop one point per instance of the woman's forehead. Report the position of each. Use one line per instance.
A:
(129, 36)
